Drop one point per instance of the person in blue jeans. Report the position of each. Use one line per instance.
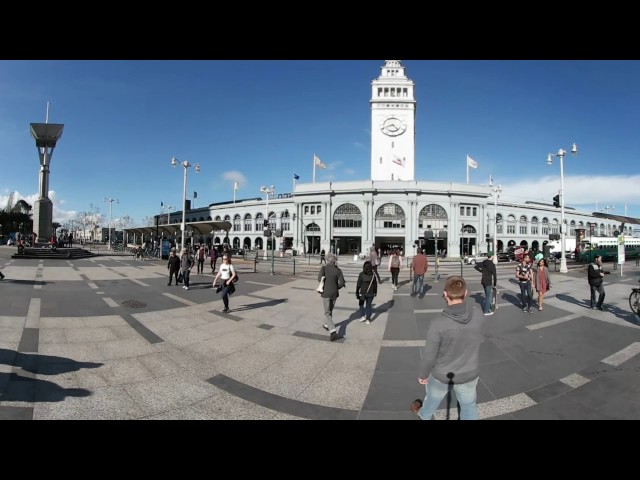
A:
(366, 289)
(489, 280)
(451, 356)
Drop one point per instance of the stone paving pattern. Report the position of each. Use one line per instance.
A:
(73, 345)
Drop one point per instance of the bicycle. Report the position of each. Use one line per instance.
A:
(634, 300)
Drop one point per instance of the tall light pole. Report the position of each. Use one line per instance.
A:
(110, 200)
(268, 191)
(496, 190)
(186, 165)
(561, 153)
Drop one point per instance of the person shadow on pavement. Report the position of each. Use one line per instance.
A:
(21, 385)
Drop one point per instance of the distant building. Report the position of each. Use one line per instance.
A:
(391, 209)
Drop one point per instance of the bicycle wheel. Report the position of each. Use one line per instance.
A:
(634, 301)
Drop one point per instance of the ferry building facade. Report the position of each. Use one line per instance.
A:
(391, 209)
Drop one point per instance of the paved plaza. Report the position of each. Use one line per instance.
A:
(106, 338)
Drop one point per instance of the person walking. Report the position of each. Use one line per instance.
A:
(420, 267)
(542, 281)
(333, 282)
(173, 266)
(366, 290)
(186, 264)
(322, 257)
(524, 275)
(213, 254)
(595, 275)
(227, 274)
(374, 260)
(489, 280)
(201, 255)
(395, 264)
(451, 356)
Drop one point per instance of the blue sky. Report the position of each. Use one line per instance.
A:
(259, 122)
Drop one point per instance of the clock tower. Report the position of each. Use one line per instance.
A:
(393, 118)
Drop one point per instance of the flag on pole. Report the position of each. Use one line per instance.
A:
(490, 180)
(318, 162)
(195, 194)
(297, 177)
(235, 185)
(398, 161)
(471, 162)
(161, 204)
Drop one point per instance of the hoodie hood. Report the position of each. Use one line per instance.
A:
(460, 312)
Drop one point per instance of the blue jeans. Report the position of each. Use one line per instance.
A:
(365, 306)
(525, 293)
(418, 280)
(488, 294)
(436, 391)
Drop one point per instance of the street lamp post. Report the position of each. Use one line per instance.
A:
(110, 200)
(561, 153)
(496, 190)
(267, 191)
(186, 165)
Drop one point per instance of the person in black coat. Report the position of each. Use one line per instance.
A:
(595, 275)
(333, 281)
(366, 289)
(489, 280)
(173, 266)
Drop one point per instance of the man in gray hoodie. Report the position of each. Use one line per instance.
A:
(333, 281)
(450, 358)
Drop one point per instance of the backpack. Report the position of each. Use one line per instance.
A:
(395, 262)
(235, 280)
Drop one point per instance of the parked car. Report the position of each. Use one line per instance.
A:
(507, 256)
(473, 259)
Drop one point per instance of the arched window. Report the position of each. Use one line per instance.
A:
(432, 217)
(523, 225)
(572, 228)
(390, 215)
(545, 226)
(248, 223)
(284, 221)
(259, 222)
(347, 216)
(511, 225)
(602, 229)
(499, 223)
(237, 225)
(554, 226)
(273, 221)
(534, 226)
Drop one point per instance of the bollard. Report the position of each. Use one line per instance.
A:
(255, 264)
(294, 267)
(615, 264)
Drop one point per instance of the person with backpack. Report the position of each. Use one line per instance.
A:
(333, 282)
(395, 264)
(366, 289)
(374, 260)
(201, 255)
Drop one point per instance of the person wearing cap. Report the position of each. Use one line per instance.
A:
(333, 281)
(489, 280)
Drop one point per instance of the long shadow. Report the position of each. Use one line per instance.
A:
(25, 389)
(379, 310)
(479, 299)
(425, 289)
(511, 298)
(42, 364)
(575, 301)
(25, 282)
(267, 303)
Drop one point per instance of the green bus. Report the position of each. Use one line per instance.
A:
(607, 247)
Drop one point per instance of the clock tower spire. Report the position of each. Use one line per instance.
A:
(393, 118)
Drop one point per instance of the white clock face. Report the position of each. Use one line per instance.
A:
(393, 127)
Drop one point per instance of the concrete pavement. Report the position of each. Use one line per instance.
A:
(106, 338)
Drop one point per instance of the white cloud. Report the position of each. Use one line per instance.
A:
(349, 171)
(360, 145)
(580, 190)
(59, 215)
(235, 176)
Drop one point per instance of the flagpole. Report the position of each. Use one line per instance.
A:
(314, 168)
(467, 169)
(294, 185)
(234, 193)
